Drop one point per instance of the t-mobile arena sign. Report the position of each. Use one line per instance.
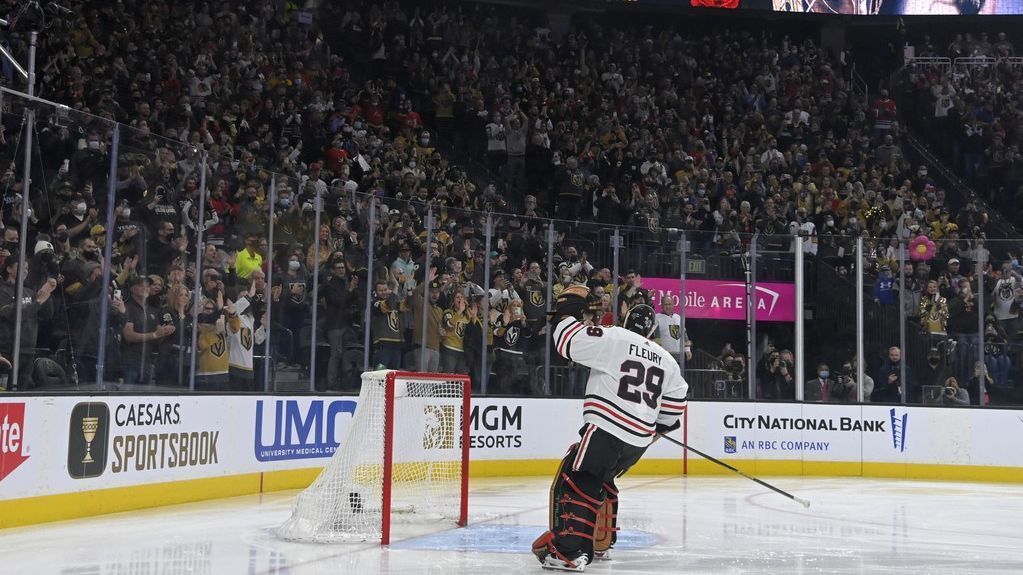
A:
(724, 299)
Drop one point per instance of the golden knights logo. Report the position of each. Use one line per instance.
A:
(511, 336)
(577, 179)
(675, 331)
(392, 320)
(220, 347)
(245, 334)
(460, 328)
(439, 427)
(536, 298)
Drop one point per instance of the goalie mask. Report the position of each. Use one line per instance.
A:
(640, 319)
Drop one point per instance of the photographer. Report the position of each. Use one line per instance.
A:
(953, 394)
(844, 390)
(775, 375)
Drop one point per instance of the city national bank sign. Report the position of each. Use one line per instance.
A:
(766, 440)
(724, 299)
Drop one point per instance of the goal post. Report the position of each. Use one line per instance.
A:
(404, 459)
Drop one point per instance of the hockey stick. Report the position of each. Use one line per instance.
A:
(799, 500)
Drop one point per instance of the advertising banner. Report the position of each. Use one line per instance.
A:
(850, 7)
(56, 445)
(726, 299)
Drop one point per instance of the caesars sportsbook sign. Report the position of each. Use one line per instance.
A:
(725, 299)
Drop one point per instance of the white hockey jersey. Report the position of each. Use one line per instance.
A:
(634, 383)
(242, 339)
(669, 332)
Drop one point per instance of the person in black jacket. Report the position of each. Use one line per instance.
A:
(472, 342)
(888, 386)
(83, 314)
(963, 326)
(511, 340)
(35, 306)
(337, 294)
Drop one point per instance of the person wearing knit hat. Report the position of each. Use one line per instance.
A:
(43, 246)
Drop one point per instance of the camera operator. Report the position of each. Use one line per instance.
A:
(953, 394)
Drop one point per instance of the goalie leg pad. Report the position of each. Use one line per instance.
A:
(576, 498)
(606, 533)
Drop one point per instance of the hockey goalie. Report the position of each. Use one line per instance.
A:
(635, 391)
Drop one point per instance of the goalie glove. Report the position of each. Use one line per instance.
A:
(572, 302)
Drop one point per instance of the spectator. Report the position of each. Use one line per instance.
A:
(963, 327)
(452, 332)
(888, 386)
(669, 329)
(884, 286)
(174, 352)
(512, 335)
(387, 327)
(33, 309)
(426, 338)
(1007, 295)
(142, 332)
(497, 148)
(242, 337)
(339, 295)
(516, 129)
(821, 387)
(213, 361)
(473, 343)
(933, 309)
(248, 259)
(294, 285)
(996, 355)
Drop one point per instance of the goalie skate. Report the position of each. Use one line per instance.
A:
(604, 555)
(554, 563)
(551, 559)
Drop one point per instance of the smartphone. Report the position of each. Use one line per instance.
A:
(117, 293)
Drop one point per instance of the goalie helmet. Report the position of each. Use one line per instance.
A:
(640, 319)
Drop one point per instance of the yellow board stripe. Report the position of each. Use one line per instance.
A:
(43, 509)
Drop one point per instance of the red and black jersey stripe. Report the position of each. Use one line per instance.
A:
(600, 407)
(565, 340)
(672, 406)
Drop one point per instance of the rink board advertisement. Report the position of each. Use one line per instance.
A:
(103, 454)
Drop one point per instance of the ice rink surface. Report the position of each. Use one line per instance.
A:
(670, 525)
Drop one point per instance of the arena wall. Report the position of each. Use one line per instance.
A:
(149, 451)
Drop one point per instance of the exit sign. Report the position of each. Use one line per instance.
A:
(696, 266)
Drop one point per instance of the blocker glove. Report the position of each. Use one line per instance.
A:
(570, 303)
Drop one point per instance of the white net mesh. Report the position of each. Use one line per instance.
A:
(345, 501)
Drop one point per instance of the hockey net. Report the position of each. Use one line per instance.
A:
(404, 459)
